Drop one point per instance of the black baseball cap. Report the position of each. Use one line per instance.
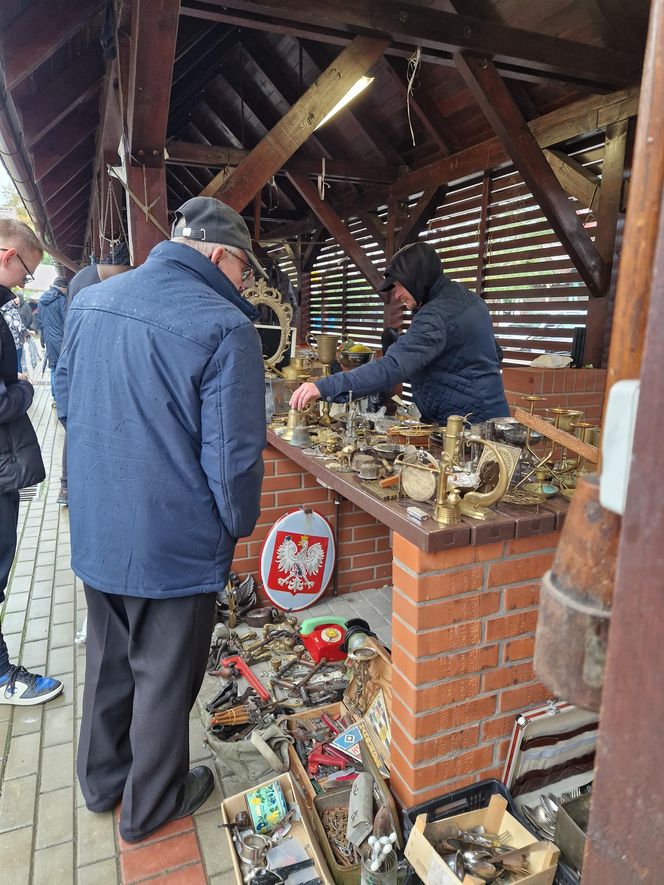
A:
(204, 218)
(61, 282)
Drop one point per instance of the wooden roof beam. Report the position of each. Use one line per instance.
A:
(69, 173)
(183, 153)
(448, 33)
(154, 29)
(38, 32)
(587, 115)
(338, 230)
(419, 215)
(500, 109)
(575, 179)
(295, 127)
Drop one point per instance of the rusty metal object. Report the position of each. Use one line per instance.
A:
(575, 602)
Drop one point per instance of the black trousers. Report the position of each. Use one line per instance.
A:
(9, 502)
(145, 662)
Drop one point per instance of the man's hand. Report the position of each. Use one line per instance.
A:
(22, 376)
(305, 393)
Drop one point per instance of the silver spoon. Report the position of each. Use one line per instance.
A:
(550, 804)
(484, 870)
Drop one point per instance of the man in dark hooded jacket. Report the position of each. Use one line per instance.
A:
(52, 306)
(449, 353)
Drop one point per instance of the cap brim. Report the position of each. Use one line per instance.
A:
(386, 285)
(258, 268)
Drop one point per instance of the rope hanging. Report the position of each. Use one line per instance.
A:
(414, 64)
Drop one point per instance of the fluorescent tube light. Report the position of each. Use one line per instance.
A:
(354, 90)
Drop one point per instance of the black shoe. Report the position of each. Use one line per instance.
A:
(62, 496)
(198, 784)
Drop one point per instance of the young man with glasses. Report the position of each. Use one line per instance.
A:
(161, 383)
(20, 459)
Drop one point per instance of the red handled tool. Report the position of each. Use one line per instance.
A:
(243, 668)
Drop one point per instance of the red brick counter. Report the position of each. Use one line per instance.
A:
(465, 605)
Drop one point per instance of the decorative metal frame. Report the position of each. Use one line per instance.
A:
(262, 295)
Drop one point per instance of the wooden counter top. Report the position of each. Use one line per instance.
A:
(508, 521)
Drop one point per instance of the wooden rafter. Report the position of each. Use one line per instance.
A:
(328, 217)
(500, 109)
(447, 33)
(313, 247)
(38, 32)
(366, 121)
(181, 153)
(296, 126)
(419, 216)
(577, 181)
(587, 115)
(154, 28)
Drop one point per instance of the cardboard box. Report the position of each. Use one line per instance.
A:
(432, 869)
(301, 829)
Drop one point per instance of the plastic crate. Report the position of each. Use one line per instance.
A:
(460, 801)
(470, 799)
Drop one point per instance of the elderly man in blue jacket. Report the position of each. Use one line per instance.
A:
(161, 384)
(449, 353)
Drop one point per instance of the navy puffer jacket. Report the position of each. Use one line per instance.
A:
(449, 354)
(161, 383)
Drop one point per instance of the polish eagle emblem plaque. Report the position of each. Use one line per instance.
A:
(297, 559)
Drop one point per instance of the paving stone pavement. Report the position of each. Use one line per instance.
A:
(46, 833)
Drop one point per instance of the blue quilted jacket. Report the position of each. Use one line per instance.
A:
(449, 355)
(161, 383)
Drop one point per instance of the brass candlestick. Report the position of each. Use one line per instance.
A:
(325, 347)
(447, 510)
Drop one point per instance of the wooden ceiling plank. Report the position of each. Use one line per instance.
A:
(65, 195)
(500, 109)
(154, 28)
(451, 32)
(587, 115)
(77, 163)
(64, 139)
(575, 178)
(38, 32)
(71, 89)
(329, 218)
(295, 127)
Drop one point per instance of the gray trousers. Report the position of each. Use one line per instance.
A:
(145, 662)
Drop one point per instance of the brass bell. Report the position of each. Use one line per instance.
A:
(294, 421)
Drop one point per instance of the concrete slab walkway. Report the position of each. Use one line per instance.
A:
(47, 836)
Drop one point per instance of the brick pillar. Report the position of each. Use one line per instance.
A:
(563, 388)
(463, 636)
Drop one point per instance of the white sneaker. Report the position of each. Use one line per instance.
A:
(23, 689)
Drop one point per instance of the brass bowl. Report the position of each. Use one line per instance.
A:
(351, 359)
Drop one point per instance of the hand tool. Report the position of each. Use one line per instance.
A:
(244, 669)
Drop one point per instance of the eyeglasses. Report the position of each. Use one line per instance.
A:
(248, 272)
(28, 278)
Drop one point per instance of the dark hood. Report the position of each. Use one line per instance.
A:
(417, 267)
(50, 295)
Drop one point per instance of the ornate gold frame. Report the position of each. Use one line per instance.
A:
(262, 295)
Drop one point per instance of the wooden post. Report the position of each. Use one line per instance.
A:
(482, 239)
(148, 186)
(610, 201)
